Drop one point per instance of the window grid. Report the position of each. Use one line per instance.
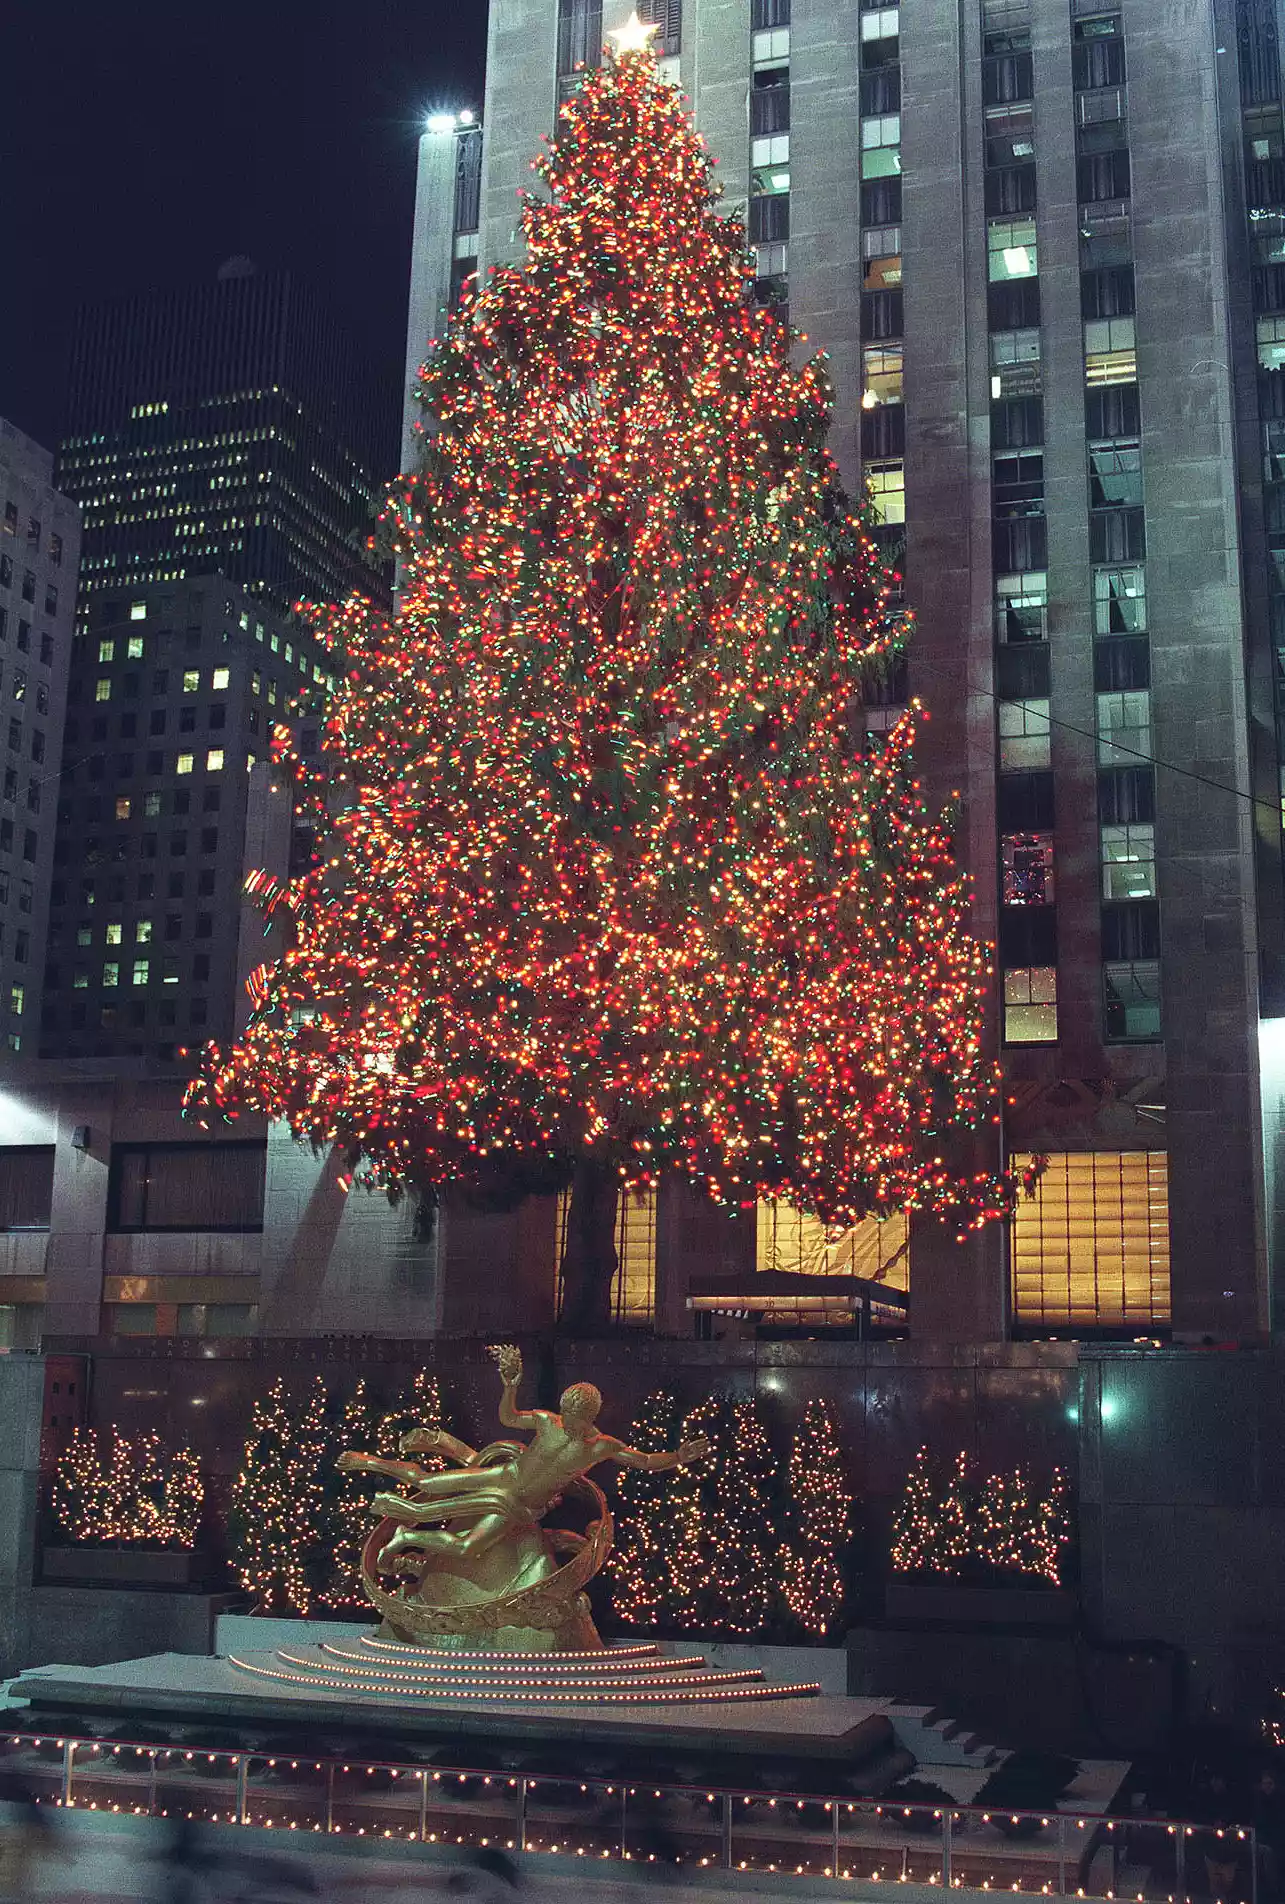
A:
(1091, 1249)
(633, 1287)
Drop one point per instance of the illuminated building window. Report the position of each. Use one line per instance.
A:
(184, 763)
(220, 678)
(633, 1287)
(107, 651)
(112, 933)
(111, 973)
(791, 1242)
(1011, 249)
(1129, 861)
(1028, 869)
(1120, 601)
(1023, 735)
(881, 374)
(141, 969)
(192, 681)
(143, 931)
(103, 690)
(138, 611)
(1021, 606)
(1030, 1005)
(1091, 1248)
(888, 490)
(214, 760)
(133, 648)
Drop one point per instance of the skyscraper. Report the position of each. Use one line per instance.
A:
(39, 550)
(228, 428)
(1043, 244)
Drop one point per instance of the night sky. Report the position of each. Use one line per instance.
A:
(141, 144)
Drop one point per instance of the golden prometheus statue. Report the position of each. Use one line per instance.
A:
(480, 1571)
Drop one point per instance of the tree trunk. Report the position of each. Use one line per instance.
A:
(589, 1259)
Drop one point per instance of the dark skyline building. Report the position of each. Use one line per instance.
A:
(229, 427)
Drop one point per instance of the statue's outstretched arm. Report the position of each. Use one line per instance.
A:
(663, 1459)
(510, 1362)
(437, 1441)
(409, 1473)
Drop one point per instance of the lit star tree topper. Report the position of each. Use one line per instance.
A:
(617, 883)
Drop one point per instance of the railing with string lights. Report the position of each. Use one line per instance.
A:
(1130, 1860)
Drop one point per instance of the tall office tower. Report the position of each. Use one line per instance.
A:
(39, 552)
(226, 428)
(167, 801)
(1043, 243)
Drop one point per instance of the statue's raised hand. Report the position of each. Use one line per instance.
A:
(694, 1450)
(509, 1358)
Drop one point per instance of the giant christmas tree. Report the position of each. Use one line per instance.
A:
(616, 883)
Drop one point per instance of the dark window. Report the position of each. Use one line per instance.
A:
(881, 202)
(766, 13)
(1121, 663)
(1019, 544)
(1006, 77)
(209, 839)
(1125, 794)
(1010, 190)
(1027, 936)
(882, 314)
(175, 887)
(1104, 175)
(1107, 291)
(1115, 535)
(205, 882)
(1013, 304)
(1022, 674)
(881, 90)
(1025, 803)
(1097, 58)
(579, 43)
(1017, 423)
(770, 101)
(668, 16)
(1113, 411)
(883, 431)
(187, 1186)
(1131, 930)
(770, 219)
(1259, 50)
(201, 966)
(218, 716)
(26, 1187)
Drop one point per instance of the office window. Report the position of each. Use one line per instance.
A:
(55, 548)
(1117, 535)
(1097, 55)
(103, 690)
(192, 681)
(140, 972)
(107, 651)
(1027, 860)
(111, 973)
(633, 1287)
(1011, 249)
(1115, 475)
(1023, 735)
(882, 374)
(1110, 354)
(881, 146)
(1091, 1248)
(187, 1186)
(770, 46)
(1131, 1000)
(1120, 601)
(220, 678)
(1121, 662)
(789, 1242)
(1021, 606)
(1102, 176)
(123, 807)
(26, 1186)
(214, 760)
(880, 23)
(888, 491)
(1124, 727)
(1030, 1006)
(1010, 134)
(185, 763)
(1270, 335)
(1013, 347)
(1129, 861)
(580, 38)
(138, 611)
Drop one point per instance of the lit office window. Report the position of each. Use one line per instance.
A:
(185, 763)
(633, 1287)
(1030, 1005)
(1011, 250)
(1129, 861)
(1028, 869)
(134, 648)
(103, 690)
(793, 1243)
(1092, 1247)
(123, 805)
(111, 973)
(214, 760)
(220, 678)
(888, 490)
(107, 651)
(138, 611)
(1023, 735)
(141, 969)
(192, 681)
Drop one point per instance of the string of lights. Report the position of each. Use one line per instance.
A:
(278, 1519)
(945, 1524)
(812, 1573)
(138, 1496)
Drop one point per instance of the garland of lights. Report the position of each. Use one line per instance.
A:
(1008, 1525)
(813, 1580)
(136, 1497)
(610, 877)
(278, 1518)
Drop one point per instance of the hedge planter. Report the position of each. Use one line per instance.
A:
(951, 1603)
(123, 1567)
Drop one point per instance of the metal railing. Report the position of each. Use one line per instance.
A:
(805, 1834)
